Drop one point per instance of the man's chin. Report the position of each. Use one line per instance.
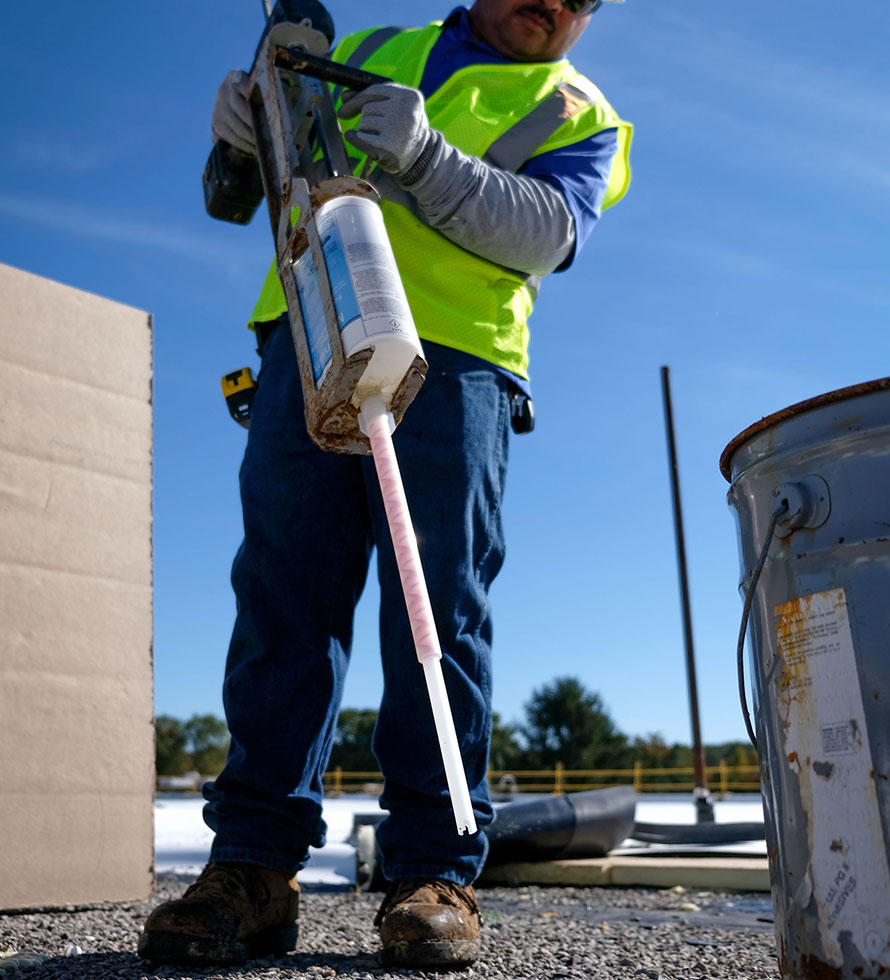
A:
(526, 40)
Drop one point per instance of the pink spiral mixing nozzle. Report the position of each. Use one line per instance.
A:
(376, 423)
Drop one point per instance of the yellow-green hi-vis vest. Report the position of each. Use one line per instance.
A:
(506, 114)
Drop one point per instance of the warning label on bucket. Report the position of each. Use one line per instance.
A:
(840, 738)
(818, 698)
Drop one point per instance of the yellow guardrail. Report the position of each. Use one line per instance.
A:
(722, 780)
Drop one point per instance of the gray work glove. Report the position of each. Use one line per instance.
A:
(393, 129)
(231, 115)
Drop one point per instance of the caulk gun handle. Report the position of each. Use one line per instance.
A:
(233, 187)
(325, 70)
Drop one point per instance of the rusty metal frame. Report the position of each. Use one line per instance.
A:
(303, 163)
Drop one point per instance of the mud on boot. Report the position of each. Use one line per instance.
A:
(233, 912)
(428, 922)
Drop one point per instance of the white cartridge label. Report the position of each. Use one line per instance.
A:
(368, 292)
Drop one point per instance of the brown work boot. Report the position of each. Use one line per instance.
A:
(428, 922)
(232, 913)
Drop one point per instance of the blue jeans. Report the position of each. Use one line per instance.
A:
(311, 522)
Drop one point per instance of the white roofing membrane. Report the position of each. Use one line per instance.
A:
(182, 840)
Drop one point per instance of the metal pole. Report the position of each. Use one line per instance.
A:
(704, 807)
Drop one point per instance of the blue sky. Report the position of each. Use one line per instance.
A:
(750, 255)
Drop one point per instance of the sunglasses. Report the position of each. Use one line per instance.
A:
(585, 6)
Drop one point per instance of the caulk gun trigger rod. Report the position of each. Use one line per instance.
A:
(305, 63)
(376, 423)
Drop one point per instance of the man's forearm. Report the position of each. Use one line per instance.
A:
(519, 222)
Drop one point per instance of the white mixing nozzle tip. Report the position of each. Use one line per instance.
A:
(466, 826)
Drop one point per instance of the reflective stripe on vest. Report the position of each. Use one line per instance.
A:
(367, 47)
(510, 151)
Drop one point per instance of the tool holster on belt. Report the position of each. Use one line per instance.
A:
(522, 411)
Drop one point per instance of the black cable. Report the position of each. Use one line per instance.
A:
(746, 609)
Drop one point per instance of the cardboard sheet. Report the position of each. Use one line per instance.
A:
(76, 737)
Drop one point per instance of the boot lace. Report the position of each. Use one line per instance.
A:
(224, 881)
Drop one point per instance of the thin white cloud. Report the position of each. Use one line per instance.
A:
(735, 262)
(748, 265)
(727, 56)
(57, 156)
(782, 122)
(748, 378)
(770, 144)
(82, 222)
(861, 293)
(875, 173)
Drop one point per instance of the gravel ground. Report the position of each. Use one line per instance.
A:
(539, 933)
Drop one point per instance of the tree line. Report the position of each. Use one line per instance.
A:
(562, 722)
(197, 745)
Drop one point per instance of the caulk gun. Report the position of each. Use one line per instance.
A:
(360, 359)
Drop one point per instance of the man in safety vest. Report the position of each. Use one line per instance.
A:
(495, 159)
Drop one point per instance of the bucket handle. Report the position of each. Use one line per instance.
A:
(778, 509)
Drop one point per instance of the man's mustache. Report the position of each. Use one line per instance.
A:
(542, 13)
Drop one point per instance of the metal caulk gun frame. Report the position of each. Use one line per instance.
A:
(303, 164)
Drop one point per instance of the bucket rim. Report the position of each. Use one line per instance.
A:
(798, 408)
